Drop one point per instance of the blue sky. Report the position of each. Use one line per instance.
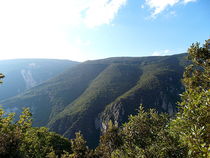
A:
(93, 29)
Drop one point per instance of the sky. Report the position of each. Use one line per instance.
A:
(93, 29)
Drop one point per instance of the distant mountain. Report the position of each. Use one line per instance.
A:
(85, 97)
(23, 74)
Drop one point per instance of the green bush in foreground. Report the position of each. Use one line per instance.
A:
(192, 122)
(19, 139)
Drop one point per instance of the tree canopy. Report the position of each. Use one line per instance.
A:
(192, 122)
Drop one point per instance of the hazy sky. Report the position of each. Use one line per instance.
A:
(91, 29)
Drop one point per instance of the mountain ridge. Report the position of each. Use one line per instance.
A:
(85, 97)
(23, 74)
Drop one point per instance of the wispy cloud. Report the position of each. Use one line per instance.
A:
(162, 52)
(102, 11)
(157, 6)
(187, 1)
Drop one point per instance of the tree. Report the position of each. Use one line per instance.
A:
(146, 135)
(79, 147)
(109, 141)
(39, 142)
(19, 139)
(192, 122)
(11, 134)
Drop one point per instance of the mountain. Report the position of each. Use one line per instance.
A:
(85, 97)
(22, 74)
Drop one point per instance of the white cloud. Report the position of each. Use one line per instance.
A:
(102, 11)
(162, 52)
(160, 5)
(187, 1)
(156, 53)
(39, 28)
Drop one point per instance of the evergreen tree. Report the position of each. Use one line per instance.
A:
(146, 135)
(109, 141)
(79, 147)
(192, 122)
(12, 134)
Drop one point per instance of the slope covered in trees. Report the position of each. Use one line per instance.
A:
(85, 97)
(146, 134)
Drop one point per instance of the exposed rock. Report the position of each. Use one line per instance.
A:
(28, 78)
(171, 111)
(98, 123)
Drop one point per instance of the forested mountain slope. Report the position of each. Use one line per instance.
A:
(85, 97)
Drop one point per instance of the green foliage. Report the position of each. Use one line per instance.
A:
(192, 122)
(146, 135)
(142, 129)
(11, 133)
(79, 147)
(20, 139)
(133, 80)
(109, 141)
(71, 101)
(39, 142)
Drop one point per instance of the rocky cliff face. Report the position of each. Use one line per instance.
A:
(28, 78)
(118, 111)
(156, 88)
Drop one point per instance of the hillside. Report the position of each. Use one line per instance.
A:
(87, 95)
(23, 74)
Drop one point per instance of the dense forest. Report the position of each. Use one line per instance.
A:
(87, 96)
(148, 134)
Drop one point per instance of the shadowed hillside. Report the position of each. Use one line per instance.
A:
(23, 74)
